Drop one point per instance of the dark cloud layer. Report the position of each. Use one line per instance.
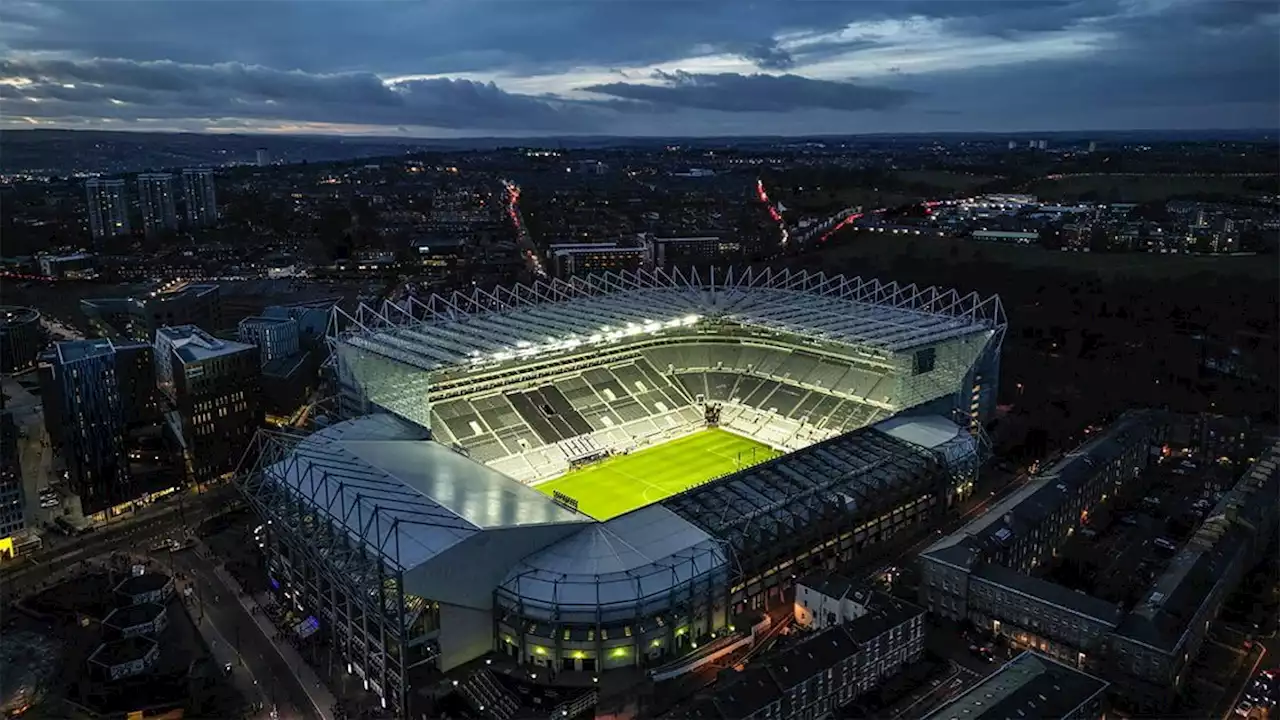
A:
(730, 92)
(123, 90)
(1171, 63)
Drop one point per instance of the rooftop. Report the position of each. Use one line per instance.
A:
(123, 651)
(12, 315)
(548, 318)
(74, 350)
(422, 506)
(1078, 602)
(143, 584)
(133, 615)
(771, 677)
(195, 345)
(615, 565)
(1025, 509)
(1161, 620)
(1028, 686)
(857, 473)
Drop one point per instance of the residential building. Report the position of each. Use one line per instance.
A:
(569, 259)
(1151, 651)
(140, 316)
(12, 497)
(201, 199)
(981, 573)
(214, 388)
(22, 337)
(84, 415)
(108, 208)
(158, 201)
(688, 251)
(825, 600)
(1030, 686)
(823, 671)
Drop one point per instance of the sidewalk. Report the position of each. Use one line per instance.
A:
(225, 654)
(321, 698)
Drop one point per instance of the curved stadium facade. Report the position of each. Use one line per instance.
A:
(423, 533)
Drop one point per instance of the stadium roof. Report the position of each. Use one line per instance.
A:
(853, 474)
(615, 567)
(546, 318)
(426, 508)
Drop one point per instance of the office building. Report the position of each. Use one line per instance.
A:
(822, 672)
(12, 497)
(84, 414)
(1093, 146)
(200, 198)
(684, 252)
(108, 208)
(158, 202)
(276, 338)
(288, 373)
(76, 266)
(1030, 686)
(139, 317)
(264, 157)
(22, 337)
(214, 388)
(570, 259)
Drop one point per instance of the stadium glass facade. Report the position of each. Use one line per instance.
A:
(462, 403)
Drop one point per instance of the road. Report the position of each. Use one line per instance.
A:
(993, 497)
(268, 671)
(137, 532)
(526, 244)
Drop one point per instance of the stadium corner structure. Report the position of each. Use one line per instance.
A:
(415, 530)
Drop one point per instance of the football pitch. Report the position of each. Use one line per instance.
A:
(625, 482)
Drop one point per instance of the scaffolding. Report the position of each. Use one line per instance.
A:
(335, 560)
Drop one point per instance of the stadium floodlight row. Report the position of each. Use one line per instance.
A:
(421, 532)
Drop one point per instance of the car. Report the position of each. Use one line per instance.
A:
(1129, 520)
(1244, 708)
(983, 652)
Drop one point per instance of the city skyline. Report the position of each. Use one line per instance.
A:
(632, 68)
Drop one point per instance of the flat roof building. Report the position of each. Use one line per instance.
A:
(1030, 686)
(139, 316)
(215, 388)
(108, 208)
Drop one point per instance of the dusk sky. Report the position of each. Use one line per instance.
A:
(661, 67)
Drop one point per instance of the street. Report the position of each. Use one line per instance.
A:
(274, 680)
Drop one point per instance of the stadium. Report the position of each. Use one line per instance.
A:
(607, 473)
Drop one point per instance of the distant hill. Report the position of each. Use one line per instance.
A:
(70, 151)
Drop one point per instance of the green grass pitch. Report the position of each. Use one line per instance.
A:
(625, 482)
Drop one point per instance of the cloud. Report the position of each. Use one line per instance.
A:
(769, 57)
(126, 89)
(766, 66)
(732, 92)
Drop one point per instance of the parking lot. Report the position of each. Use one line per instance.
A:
(1124, 545)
